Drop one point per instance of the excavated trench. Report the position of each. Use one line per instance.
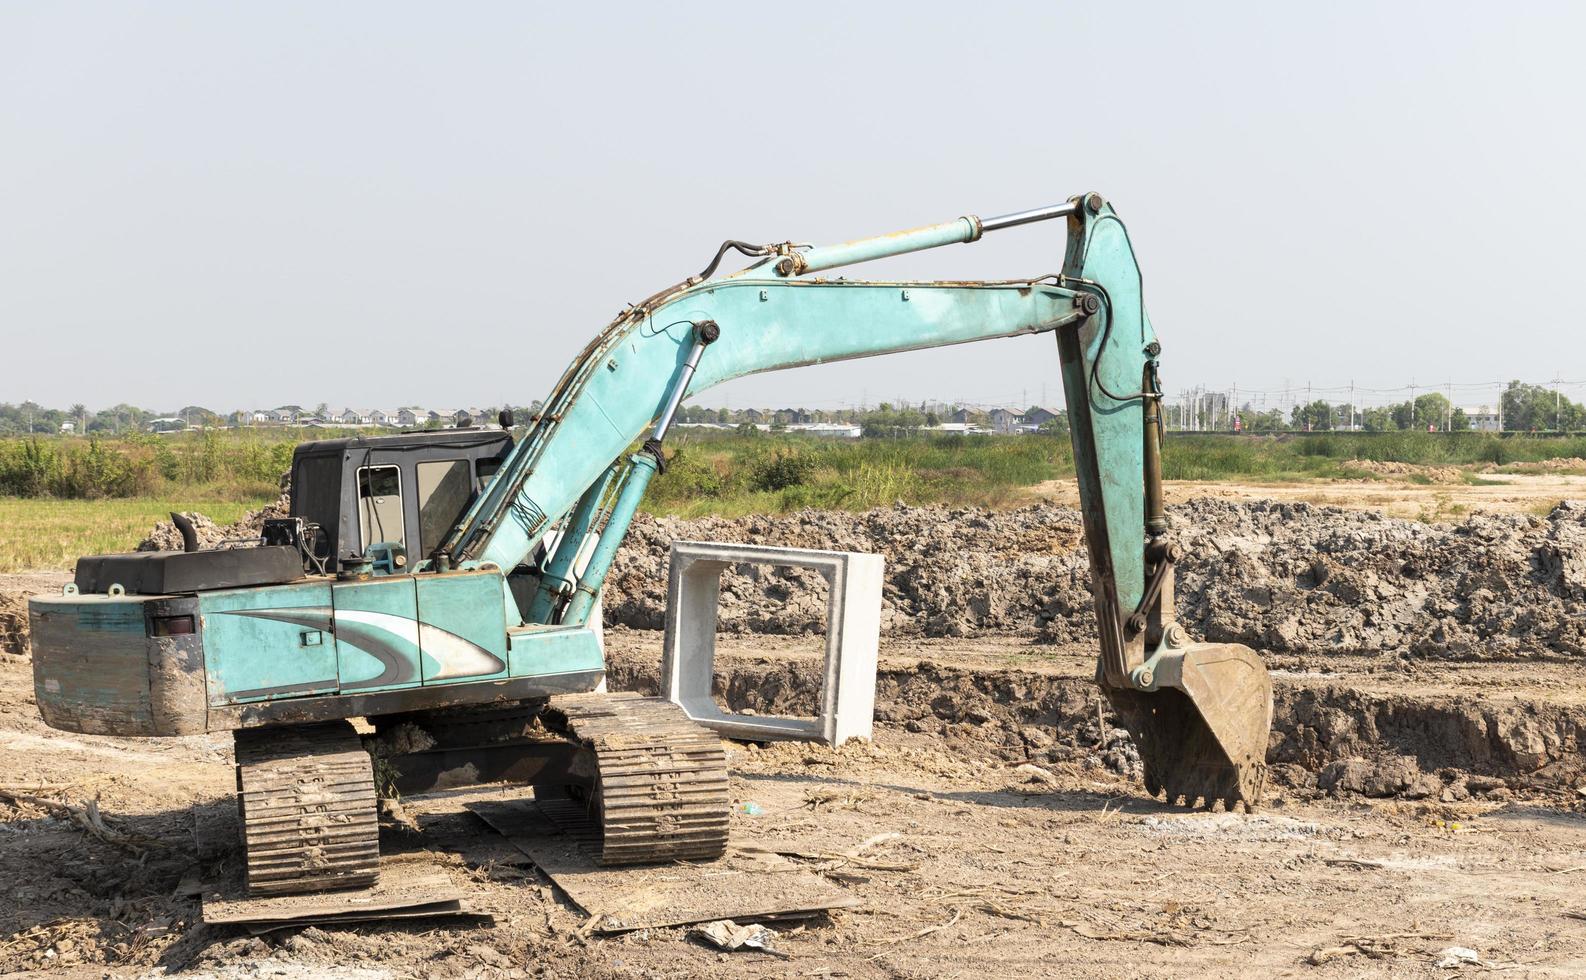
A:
(1326, 738)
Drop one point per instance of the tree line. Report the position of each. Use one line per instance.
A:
(1524, 408)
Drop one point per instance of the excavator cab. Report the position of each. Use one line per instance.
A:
(393, 495)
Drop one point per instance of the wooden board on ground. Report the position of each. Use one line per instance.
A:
(738, 886)
(406, 889)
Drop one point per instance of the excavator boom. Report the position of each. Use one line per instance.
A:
(1200, 714)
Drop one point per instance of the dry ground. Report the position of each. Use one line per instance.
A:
(976, 868)
(1498, 493)
(992, 871)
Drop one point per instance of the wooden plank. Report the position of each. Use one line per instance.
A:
(404, 887)
(738, 886)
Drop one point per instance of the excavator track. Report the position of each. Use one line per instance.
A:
(309, 815)
(655, 785)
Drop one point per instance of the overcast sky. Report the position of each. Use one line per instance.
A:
(384, 203)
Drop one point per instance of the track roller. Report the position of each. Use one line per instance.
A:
(306, 795)
(655, 783)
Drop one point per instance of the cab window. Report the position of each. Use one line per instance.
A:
(444, 492)
(380, 505)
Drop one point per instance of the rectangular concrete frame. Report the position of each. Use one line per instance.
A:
(853, 638)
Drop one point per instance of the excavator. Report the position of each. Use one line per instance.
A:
(444, 587)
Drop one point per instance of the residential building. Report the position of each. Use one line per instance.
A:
(1040, 415)
(1484, 418)
(1005, 422)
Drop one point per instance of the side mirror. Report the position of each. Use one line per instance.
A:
(505, 418)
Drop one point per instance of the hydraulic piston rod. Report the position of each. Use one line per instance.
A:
(961, 230)
(642, 468)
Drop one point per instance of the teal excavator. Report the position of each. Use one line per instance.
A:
(444, 586)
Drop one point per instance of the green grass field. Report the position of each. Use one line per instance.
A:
(44, 533)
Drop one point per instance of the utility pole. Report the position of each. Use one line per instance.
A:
(1558, 406)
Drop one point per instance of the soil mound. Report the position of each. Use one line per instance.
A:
(13, 623)
(165, 537)
(1287, 577)
(1436, 474)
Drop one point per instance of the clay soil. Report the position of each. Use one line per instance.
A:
(1423, 796)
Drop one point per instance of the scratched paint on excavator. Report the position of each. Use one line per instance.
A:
(263, 643)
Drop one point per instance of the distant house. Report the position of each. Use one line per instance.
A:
(791, 416)
(351, 416)
(380, 417)
(68, 427)
(409, 417)
(1004, 421)
(752, 415)
(960, 417)
(1483, 419)
(1041, 415)
(166, 425)
(467, 417)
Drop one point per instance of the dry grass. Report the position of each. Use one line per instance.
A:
(53, 534)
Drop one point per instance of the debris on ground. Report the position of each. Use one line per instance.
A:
(1454, 957)
(727, 935)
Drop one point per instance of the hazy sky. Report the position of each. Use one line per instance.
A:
(386, 203)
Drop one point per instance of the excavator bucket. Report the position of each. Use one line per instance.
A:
(1202, 728)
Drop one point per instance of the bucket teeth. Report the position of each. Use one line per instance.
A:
(1183, 763)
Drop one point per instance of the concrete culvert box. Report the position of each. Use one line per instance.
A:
(853, 635)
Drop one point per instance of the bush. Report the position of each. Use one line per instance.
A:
(784, 467)
(28, 468)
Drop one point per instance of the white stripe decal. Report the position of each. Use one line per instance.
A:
(399, 626)
(457, 657)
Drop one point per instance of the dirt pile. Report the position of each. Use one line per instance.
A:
(950, 572)
(1436, 474)
(165, 536)
(13, 624)
(1565, 464)
(1285, 577)
(1315, 580)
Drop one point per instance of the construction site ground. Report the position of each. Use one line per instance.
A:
(1419, 809)
(1444, 494)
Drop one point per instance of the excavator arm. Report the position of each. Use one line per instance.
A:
(1200, 713)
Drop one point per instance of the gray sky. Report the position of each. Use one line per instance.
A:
(387, 203)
